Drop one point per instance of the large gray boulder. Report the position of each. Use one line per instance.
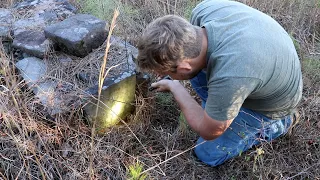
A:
(33, 43)
(78, 35)
(6, 19)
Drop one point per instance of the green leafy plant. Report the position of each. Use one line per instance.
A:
(135, 171)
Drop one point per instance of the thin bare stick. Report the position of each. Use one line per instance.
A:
(303, 171)
(163, 173)
(171, 158)
(101, 79)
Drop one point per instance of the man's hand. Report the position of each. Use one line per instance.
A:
(164, 85)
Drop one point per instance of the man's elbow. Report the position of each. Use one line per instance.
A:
(211, 136)
(212, 129)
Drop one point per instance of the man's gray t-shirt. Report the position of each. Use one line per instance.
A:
(251, 61)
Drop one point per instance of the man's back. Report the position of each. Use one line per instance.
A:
(251, 61)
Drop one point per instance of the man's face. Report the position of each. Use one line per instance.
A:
(180, 74)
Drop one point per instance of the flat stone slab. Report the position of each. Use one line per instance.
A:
(33, 43)
(78, 35)
(116, 99)
(6, 19)
(33, 71)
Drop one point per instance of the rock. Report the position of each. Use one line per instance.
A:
(48, 97)
(143, 83)
(37, 22)
(33, 43)
(121, 43)
(118, 91)
(49, 4)
(6, 19)
(40, 13)
(33, 71)
(26, 4)
(28, 24)
(49, 17)
(78, 35)
(65, 4)
(117, 99)
(25, 55)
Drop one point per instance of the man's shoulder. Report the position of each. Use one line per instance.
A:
(209, 5)
(209, 10)
(216, 3)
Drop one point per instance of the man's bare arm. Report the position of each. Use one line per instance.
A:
(196, 117)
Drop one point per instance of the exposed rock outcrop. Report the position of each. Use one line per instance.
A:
(60, 60)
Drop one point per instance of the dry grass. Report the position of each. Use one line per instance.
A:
(33, 146)
(6, 3)
(299, 17)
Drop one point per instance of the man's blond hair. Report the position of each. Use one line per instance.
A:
(167, 40)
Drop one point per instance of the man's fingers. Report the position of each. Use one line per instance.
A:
(162, 85)
(153, 87)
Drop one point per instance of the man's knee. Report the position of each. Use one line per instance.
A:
(210, 154)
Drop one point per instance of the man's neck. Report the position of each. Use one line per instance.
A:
(200, 62)
(204, 47)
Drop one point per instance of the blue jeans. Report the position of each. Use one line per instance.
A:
(249, 128)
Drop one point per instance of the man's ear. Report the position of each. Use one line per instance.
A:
(184, 66)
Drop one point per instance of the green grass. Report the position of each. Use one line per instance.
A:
(188, 9)
(103, 9)
(183, 125)
(99, 8)
(311, 67)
